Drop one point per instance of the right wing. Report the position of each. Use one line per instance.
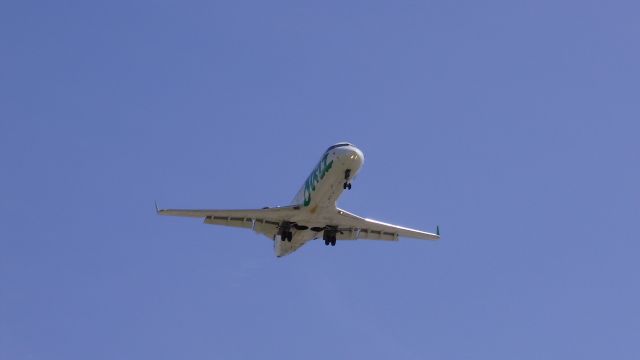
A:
(264, 221)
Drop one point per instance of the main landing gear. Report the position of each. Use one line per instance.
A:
(286, 236)
(329, 237)
(347, 177)
(285, 232)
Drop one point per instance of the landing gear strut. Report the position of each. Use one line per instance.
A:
(347, 177)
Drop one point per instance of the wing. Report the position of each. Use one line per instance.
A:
(354, 227)
(264, 221)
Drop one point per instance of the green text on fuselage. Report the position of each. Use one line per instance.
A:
(316, 175)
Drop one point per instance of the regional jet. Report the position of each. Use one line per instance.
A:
(313, 212)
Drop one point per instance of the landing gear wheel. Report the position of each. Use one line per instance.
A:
(349, 186)
(329, 236)
(286, 236)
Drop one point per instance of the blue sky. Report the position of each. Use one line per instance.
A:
(511, 124)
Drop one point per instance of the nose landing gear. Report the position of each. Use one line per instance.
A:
(347, 177)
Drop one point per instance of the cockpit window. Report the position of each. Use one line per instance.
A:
(338, 145)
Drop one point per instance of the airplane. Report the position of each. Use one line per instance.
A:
(313, 212)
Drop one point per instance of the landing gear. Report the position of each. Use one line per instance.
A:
(285, 232)
(286, 236)
(347, 177)
(329, 237)
(331, 242)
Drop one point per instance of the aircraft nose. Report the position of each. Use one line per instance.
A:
(358, 154)
(354, 155)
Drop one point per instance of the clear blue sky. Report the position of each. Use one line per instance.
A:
(513, 125)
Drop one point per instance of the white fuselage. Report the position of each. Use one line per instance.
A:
(317, 197)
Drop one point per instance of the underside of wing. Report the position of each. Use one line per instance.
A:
(264, 221)
(276, 214)
(354, 227)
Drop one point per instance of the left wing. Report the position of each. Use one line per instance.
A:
(353, 227)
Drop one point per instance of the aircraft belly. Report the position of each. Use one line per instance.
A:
(320, 210)
(300, 238)
(323, 199)
(330, 188)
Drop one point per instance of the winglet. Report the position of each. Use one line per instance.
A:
(438, 230)
(157, 211)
